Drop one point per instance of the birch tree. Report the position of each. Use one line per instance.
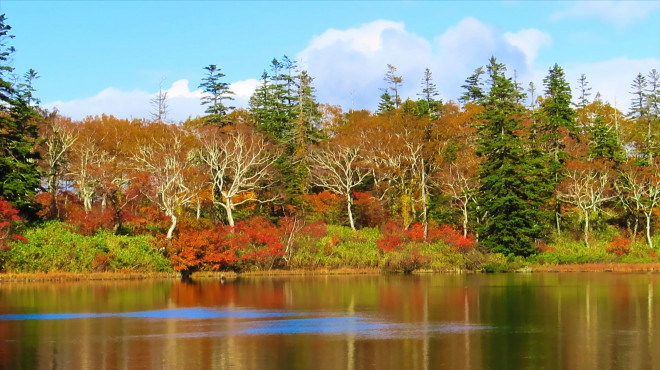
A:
(337, 168)
(165, 158)
(587, 187)
(240, 163)
(639, 186)
(60, 136)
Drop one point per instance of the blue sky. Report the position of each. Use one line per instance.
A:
(108, 57)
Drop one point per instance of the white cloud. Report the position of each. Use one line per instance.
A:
(529, 41)
(181, 101)
(244, 90)
(349, 65)
(616, 12)
(612, 78)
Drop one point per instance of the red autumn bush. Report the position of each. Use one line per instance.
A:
(259, 240)
(254, 242)
(619, 246)
(8, 218)
(314, 230)
(395, 236)
(369, 211)
(88, 223)
(200, 247)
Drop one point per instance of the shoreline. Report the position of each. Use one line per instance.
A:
(127, 276)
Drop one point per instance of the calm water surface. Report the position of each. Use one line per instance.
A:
(501, 321)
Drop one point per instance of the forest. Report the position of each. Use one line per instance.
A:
(508, 176)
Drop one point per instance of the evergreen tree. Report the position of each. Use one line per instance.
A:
(557, 119)
(274, 105)
(26, 88)
(605, 144)
(652, 115)
(513, 183)
(386, 104)
(638, 104)
(215, 91)
(428, 96)
(304, 132)
(584, 91)
(474, 92)
(261, 101)
(19, 175)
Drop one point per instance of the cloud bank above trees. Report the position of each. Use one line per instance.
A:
(348, 66)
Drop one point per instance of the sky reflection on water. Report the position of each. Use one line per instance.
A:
(253, 325)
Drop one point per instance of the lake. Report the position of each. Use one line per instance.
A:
(474, 321)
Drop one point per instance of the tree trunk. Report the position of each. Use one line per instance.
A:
(424, 210)
(228, 207)
(199, 207)
(586, 227)
(52, 187)
(648, 229)
(557, 217)
(171, 230)
(350, 213)
(465, 221)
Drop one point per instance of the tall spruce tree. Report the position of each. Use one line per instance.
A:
(557, 119)
(474, 91)
(304, 132)
(513, 183)
(428, 104)
(19, 174)
(215, 91)
(584, 91)
(653, 114)
(604, 141)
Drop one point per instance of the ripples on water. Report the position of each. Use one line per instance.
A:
(250, 324)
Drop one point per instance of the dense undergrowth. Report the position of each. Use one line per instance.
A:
(257, 244)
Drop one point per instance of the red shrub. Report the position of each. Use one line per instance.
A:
(369, 210)
(260, 239)
(87, 223)
(545, 248)
(619, 246)
(251, 242)
(315, 230)
(197, 248)
(394, 236)
(389, 243)
(8, 218)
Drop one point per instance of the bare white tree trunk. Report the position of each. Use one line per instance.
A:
(586, 227)
(648, 229)
(228, 208)
(350, 213)
(170, 231)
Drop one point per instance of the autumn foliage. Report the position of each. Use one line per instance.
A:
(8, 217)
(254, 242)
(395, 237)
(619, 246)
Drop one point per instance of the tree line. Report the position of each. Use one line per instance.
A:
(509, 166)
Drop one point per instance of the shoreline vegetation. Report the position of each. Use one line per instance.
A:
(230, 275)
(505, 178)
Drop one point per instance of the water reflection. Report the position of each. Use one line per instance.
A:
(551, 321)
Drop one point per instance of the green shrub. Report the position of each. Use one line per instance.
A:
(51, 247)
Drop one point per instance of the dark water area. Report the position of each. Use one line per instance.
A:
(498, 321)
